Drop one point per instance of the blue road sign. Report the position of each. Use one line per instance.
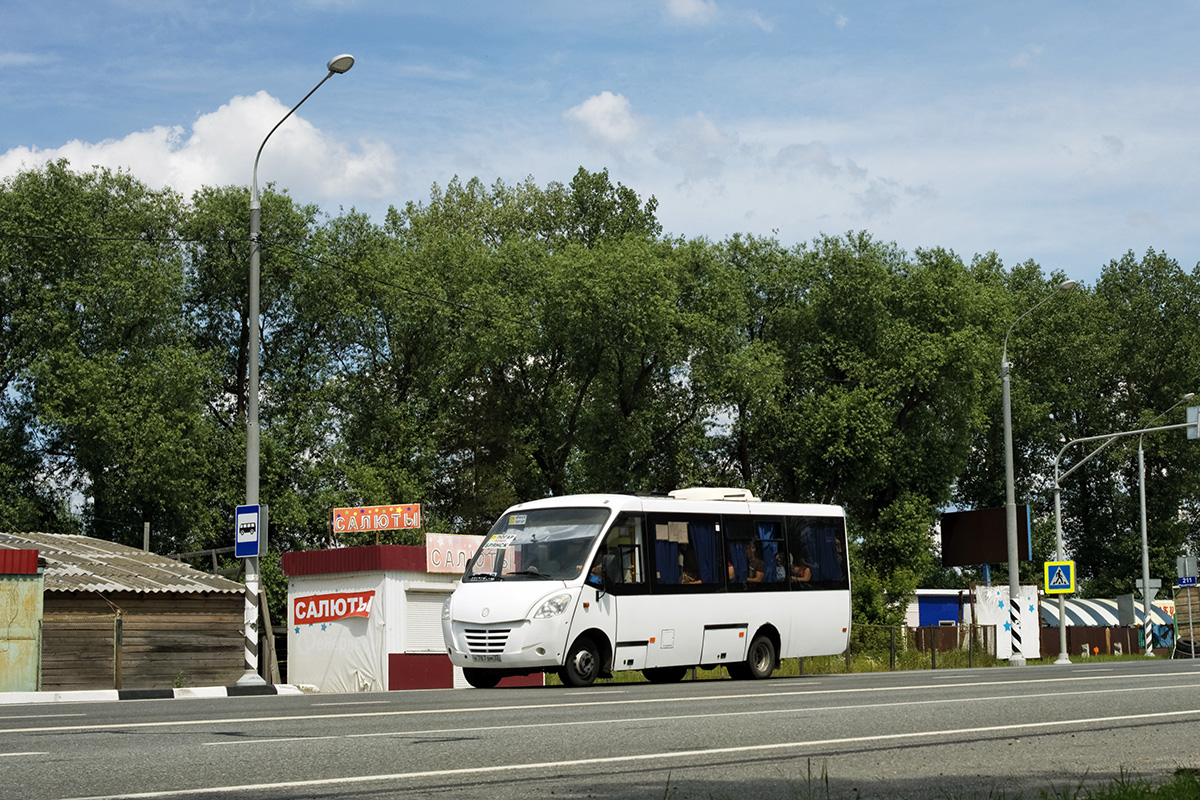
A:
(1185, 582)
(1060, 577)
(250, 529)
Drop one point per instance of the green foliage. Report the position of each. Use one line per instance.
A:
(505, 342)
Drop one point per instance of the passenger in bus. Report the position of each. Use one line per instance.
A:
(596, 573)
(755, 569)
(801, 573)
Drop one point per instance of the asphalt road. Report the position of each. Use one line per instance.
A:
(1007, 732)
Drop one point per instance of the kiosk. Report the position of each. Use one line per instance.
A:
(369, 619)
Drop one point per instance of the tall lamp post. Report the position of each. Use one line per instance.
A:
(1106, 439)
(1015, 658)
(1147, 622)
(336, 66)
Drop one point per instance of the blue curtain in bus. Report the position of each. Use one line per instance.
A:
(708, 550)
(770, 550)
(666, 555)
(737, 559)
(820, 542)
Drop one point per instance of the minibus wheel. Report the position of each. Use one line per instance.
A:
(760, 658)
(482, 678)
(583, 664)
(665, 674)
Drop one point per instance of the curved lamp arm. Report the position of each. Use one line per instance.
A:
(1065, 286)
(336, 66)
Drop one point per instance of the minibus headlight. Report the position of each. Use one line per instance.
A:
(553, 606)
(446, 609)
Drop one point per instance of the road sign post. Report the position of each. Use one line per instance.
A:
(250, 541)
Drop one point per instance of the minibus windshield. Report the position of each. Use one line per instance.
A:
(540, 544)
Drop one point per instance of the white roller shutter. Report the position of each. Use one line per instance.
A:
(423, 621)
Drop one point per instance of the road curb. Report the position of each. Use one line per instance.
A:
(107, 695)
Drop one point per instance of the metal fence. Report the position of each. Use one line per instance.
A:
(879, 648)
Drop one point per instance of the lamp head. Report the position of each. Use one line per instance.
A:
(1065, 286)
(1189, 395)
(340, 64)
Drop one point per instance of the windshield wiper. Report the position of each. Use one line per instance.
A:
(535, 573)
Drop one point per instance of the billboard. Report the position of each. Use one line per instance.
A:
(376, 518)
(981, 537)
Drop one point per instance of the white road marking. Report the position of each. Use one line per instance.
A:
(587, 704)
(708, 754)
(671, 717)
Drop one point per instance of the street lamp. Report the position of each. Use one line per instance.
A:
(336, 66)
(1106, 439)
(1146, 622)
(1015, 658)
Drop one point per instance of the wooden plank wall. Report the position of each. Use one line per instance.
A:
(1099, 641)
(166, 640)
(1187, 612)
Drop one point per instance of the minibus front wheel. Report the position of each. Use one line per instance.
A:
(482, 678)
(583, 664)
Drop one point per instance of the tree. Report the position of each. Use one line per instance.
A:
(102, 377)
(1144, 312)
(876, 364)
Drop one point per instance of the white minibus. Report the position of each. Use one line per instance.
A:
(587, 585)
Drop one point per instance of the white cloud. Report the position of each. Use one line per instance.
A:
(9, 58)
(1025, 58)
(606, 119)
(699, 148)
(766, 25)
(696, 12)
(220, 148)
(816, 159)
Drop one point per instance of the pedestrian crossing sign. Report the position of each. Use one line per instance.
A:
(1060, 577)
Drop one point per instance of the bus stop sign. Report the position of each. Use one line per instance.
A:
(251, 531)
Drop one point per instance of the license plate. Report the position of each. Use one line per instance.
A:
(489, 659)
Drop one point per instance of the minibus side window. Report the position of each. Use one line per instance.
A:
(817, 552)
(621, 559)
(687, 552)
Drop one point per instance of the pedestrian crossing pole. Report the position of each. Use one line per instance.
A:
(1063, 658)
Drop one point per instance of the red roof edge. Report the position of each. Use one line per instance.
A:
(373, 558)
(18, 562)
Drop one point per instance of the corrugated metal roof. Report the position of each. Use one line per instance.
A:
(18, 562)
(82, 564)
(368, 558)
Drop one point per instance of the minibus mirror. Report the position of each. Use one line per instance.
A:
(612, 569)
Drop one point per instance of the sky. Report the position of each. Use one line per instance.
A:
(1066, 133)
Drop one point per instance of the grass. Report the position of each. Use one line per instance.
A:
(1183, 785)
(836, 665)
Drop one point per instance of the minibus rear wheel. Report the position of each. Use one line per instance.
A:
(760, 658)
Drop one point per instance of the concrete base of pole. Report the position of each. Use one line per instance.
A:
(251, 678)
(1016, 661)
(1063, 658)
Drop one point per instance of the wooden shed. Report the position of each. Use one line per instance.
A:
(115, 617)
